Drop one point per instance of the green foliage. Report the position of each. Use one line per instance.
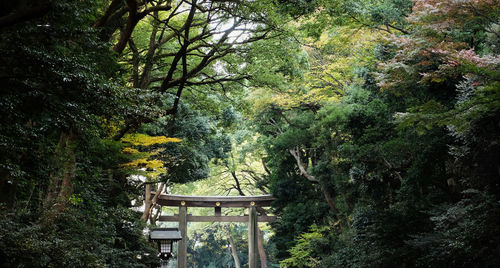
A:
(463, 234)
(302, 253)
(98, 229)
(212, 247)
(376, 124)
(71, 243)
(202, 141)
(57, 81)
(396, 155)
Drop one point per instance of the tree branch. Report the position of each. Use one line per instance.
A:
(295, 153)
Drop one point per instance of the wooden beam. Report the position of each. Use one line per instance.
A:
(191, 218)
(252, 238)
(182, 249)
(215, 201)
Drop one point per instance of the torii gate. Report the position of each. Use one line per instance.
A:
(217, 202)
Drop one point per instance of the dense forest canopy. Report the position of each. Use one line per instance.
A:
(374, 123)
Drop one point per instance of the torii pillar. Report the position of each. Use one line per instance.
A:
(182, 248)
(252, 237)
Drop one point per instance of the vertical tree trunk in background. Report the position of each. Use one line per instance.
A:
(147, 202)
(329, 198)
(262, 251)
(145, 78)
(234, 253)
(64, 165)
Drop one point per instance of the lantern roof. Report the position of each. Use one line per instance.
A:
(165, 234)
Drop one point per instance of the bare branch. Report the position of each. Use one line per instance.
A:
(295, 153)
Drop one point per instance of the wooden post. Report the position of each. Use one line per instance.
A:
(182, 249)
(147, 202)
(252, 237)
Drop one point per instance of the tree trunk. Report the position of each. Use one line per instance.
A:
(126, 32)
(260, 242)
(147, 202)
(145, 78)
(329, 198)
(234, 253)
(323, 187)
(60, 186)
(262, 251)
(150, 203)
(113, 7)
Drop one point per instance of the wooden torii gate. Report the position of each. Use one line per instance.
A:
(217, 202)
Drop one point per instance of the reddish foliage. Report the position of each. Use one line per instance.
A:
(430, 52)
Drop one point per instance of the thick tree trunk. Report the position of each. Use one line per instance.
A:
(60, 186)
(132, 21)
(329, 199)
(113, 7)
(147, 202)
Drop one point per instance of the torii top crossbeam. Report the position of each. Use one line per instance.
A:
(215, 201)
